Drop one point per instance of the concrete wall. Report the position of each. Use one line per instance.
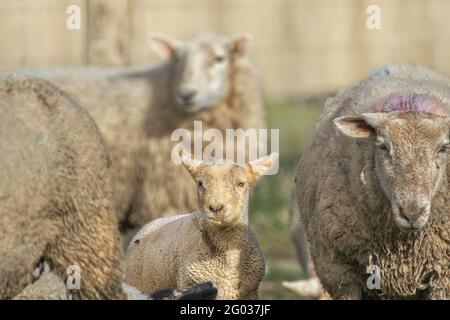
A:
(303, 47)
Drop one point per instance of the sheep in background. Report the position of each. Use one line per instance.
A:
(55, 195)
(372, 187)
(214, 243)
(209, 78)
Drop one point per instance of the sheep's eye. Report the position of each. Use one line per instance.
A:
(382, 145)
(219, 59)
(444, 148)
(200, 184)
(241, 184)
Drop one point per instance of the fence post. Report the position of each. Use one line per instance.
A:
(108, 32)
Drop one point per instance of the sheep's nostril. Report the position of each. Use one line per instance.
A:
(404, 216)
(188, 96)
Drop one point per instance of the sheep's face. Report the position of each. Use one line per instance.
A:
(410, 154)
(202, 67)
(223, 189)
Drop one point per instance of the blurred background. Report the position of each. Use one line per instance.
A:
(305, 50)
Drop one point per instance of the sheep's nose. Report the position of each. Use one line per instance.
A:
(410, 216)
(405, 216)
(188, 95)
(216, 208)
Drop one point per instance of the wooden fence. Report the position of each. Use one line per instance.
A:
(303, 47)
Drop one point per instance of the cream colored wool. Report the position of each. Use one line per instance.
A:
(55, 194)
(136, 113)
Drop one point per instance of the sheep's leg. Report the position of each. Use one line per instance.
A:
(300, 241)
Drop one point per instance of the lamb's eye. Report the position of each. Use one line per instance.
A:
(241, 184)
(200, 184)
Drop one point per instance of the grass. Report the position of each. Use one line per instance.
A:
(270, 199)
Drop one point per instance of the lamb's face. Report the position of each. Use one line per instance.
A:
(203, 69)
(410, 153)
(223, 189)
(223, 192)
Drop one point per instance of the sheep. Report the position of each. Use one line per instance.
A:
(56, 196)
(209, 78)
(213, 243)
(372, 187)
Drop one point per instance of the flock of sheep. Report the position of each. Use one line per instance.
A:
(87, 172)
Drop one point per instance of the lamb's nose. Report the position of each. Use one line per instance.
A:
(216, 208)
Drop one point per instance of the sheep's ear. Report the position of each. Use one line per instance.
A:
(191, 164)
(362, 126)
(240, 43)
(163, 46)
(260, 166)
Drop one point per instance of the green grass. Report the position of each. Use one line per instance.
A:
(270, 198)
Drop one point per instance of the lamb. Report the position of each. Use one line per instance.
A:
(372, 187)
(209, 78)
(214, 243)
(56, 195)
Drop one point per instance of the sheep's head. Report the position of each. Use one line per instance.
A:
(410, 155)
(203, 68)
(223, 189)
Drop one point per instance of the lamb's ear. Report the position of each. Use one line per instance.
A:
(260, 166)
(363, 126)
(240, 43)
(163, 46)
(191, 164)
